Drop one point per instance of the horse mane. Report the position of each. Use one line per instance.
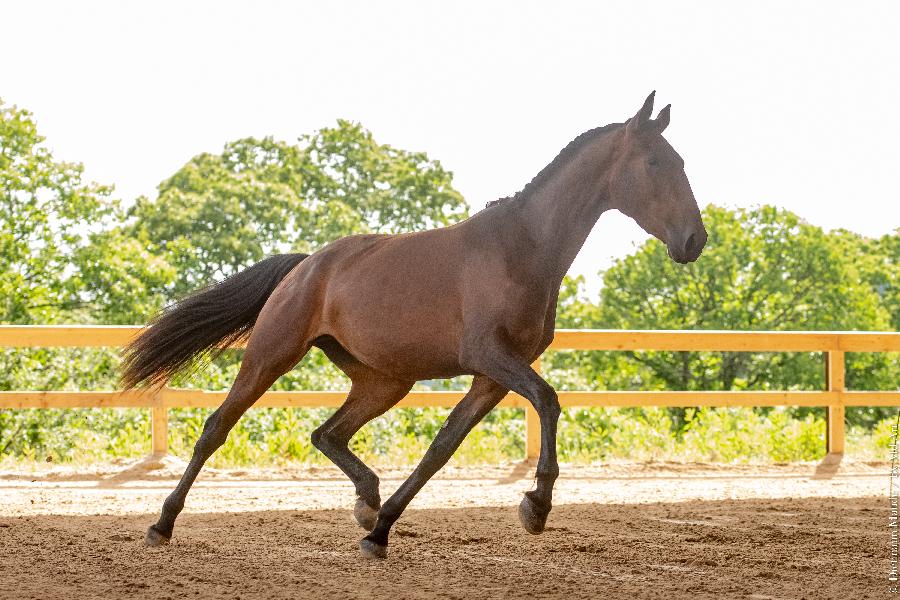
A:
(503, 200)
(564, 156)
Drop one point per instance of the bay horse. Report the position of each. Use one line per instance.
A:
(475, 298)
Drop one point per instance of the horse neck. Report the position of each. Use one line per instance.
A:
(560, 213)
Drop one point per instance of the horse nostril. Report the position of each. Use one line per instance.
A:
(689, 244)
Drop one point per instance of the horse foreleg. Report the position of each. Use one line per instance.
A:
(481, 398)
(370, 396)
(516, 374)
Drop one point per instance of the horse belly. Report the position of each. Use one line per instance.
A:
(409, 329)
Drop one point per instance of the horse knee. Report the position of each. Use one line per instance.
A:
(549, 403)
(554, 408)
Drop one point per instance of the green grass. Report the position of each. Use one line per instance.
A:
(275, 436)
(278, 436)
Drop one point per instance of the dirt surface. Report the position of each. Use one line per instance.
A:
(659, 530)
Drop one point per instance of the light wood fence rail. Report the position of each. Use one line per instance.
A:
(833, 344)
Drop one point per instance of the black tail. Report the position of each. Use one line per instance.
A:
(205, 322)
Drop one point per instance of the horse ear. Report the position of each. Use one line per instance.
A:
(643, 116)
(662, 119)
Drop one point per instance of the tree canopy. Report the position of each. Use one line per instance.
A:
(47, 213)
(70, 251)
(222, 212)
(762, 269)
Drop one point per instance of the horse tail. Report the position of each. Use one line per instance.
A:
(204, 323)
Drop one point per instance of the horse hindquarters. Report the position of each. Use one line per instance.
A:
(279, 339)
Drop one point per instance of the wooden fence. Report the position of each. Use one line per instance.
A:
(835, 396)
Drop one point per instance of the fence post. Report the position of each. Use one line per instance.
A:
(834, 379)
(532, 424)
(159, 423)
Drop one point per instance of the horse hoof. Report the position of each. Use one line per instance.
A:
(155, 538)
(365, 515)
(531, 517)
(370, 549)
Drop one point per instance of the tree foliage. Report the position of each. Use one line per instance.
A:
(71, 252)
(47, 213)
(762, 269)
(222, 212)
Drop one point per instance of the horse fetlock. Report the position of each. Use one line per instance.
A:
(365, 514)
(368, 488)
(547, 474)
(171, 508)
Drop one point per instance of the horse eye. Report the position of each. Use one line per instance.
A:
(652, 161)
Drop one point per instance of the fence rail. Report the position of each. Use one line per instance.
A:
(835, 397)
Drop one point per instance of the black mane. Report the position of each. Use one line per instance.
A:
(562, 158)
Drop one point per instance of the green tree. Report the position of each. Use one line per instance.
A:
(120, 281)
(763, 269)
(72, 254)
(47, 213)
(878, 262)
(222, 212)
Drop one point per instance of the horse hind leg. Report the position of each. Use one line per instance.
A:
(371, 394)
(478, 402)
(270, 353)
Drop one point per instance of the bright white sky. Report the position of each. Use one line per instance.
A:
(790, 103)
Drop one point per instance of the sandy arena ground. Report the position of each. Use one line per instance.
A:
(659, 530)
